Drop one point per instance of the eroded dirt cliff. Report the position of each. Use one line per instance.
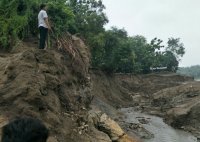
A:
(56, 88)
(171, 96)
(79, 105)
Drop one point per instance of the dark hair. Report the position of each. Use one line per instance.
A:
(42, 6)
(25, 130)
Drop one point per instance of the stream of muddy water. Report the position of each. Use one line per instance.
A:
(160, 130)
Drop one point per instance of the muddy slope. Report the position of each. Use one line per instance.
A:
(56, 88)
(77, 105)
(125, 90)
(173, 97)
(43, 84)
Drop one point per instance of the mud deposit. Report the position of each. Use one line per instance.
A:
(159, 131)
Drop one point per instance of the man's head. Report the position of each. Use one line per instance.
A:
(43, 7)
(25, 130)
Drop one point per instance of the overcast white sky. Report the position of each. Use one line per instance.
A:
(162, 19)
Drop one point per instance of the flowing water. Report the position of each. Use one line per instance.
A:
(162, 132)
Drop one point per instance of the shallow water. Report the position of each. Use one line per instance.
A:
(198, 79)
(162, 132)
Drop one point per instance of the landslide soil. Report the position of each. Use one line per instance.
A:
(61, 91)
(55, 87)
(51, 86)
(171, 96)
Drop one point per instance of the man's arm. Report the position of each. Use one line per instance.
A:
(46, 20)
(47, 23)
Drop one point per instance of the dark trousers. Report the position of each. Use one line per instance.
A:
(43, 36)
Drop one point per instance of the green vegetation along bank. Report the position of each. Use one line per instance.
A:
(193, 71)
(112, 50)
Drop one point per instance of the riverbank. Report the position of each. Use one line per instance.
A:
(173, 97)
(152, 128)
(62, 92)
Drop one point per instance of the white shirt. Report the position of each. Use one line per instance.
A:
(42, 14)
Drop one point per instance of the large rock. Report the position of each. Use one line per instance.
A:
(109, 126)
(126, 138)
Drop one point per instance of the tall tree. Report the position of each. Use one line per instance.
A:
(170, 61)
(176, 47)
(173, 52)
(145, 53)
(89, 17)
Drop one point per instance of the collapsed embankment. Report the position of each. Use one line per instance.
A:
(56, 88)
(173, 97)
(45, 84)
(73, 102)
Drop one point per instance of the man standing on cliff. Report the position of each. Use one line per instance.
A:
(43, 25)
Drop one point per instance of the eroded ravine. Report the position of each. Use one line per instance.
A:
(161, 131)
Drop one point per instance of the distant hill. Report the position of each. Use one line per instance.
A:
(193, 71)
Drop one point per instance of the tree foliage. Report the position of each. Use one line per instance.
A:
(19, 18)
(193, 71)
(112, 50)
(175, 47)
(173, 52)
(89, 17)
(13, 19)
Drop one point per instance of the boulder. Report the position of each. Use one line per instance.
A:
(105, 124)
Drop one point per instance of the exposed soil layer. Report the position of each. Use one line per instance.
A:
(168, 95)
(55, 87)
(152, 128)
(78, 105)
